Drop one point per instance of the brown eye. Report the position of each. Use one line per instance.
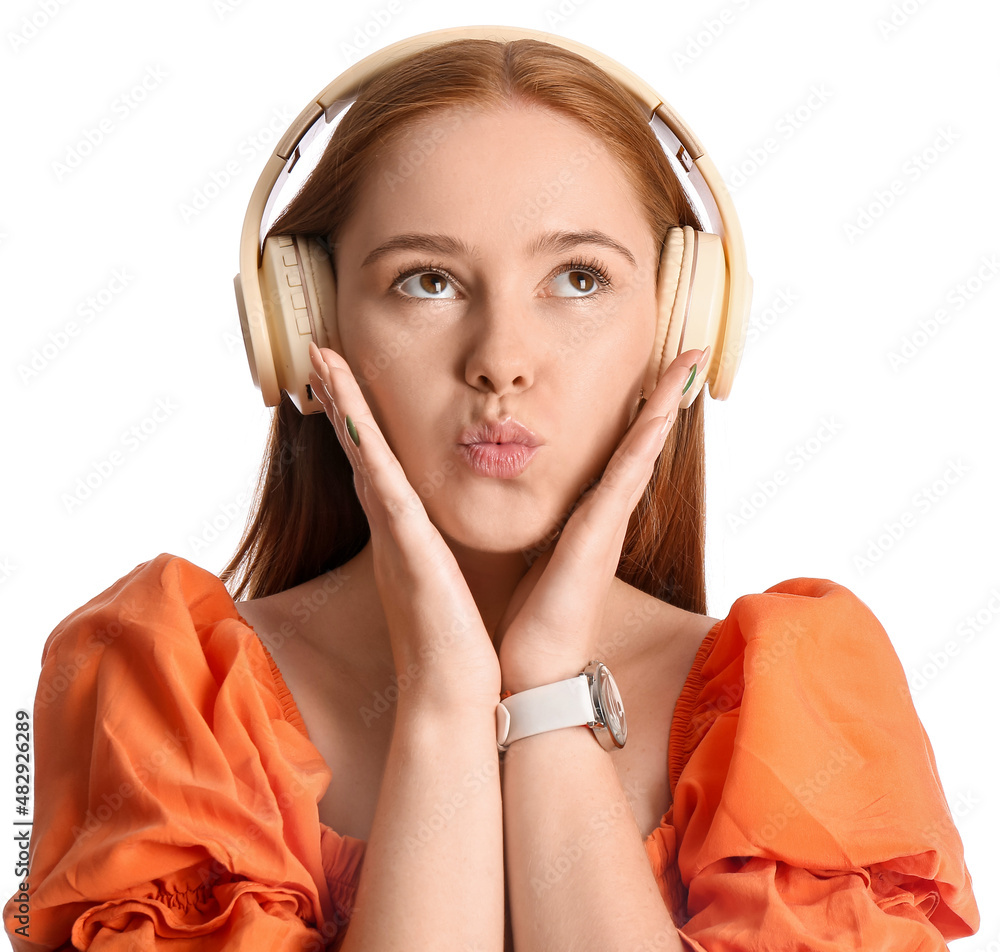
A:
(427, 285)
(431, 282)
(579, 281)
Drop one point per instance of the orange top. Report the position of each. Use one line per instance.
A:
(176, 786)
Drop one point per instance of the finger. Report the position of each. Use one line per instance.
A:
(601, 519)
(631, 467)
(400, 506)
(670, 388)
(367, 494)
(362, 484)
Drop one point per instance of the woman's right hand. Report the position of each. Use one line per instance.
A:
(439, 641)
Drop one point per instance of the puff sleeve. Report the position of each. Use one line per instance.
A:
(807, 803)
(174, 804)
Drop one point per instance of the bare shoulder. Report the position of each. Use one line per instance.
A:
(323, 636)
(299, 618)
(319, 645)
(292, 635)
(648, 634)
(653, 647)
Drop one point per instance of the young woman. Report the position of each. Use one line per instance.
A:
(489, 503)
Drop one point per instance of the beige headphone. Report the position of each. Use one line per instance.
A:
(285, 288)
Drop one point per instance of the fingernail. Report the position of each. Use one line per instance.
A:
(690, 379)
(705, 354)
(353, 430)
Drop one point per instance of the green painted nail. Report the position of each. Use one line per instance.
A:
(353, 430)
(690, 380)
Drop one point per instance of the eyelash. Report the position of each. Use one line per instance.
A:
(590, 265)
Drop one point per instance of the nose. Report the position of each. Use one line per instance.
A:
(501, 352)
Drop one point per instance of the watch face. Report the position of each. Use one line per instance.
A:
(611, 705)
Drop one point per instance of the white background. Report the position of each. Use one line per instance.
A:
(817, 405)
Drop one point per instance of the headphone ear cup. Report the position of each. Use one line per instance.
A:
(689, 303)
(299, 296)
(671, 305)
(321, 293)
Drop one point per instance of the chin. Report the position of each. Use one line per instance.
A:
(503, 533)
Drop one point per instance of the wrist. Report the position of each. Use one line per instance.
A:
(445, 707)
(517, 680)
(585, 697)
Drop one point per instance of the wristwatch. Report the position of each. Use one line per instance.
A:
(591, 699)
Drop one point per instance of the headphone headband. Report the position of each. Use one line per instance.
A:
(695, 171)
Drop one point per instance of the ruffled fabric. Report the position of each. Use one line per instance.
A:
(342, 854)
(176, 786)
(807, 809)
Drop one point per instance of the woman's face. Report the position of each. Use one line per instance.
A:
(498, 305)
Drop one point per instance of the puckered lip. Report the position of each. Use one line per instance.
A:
(508, 430)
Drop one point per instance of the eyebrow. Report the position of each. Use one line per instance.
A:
(446, 244)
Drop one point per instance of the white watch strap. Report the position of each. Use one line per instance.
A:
(545, 708)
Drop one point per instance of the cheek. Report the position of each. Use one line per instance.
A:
(412, 404)
(375, 352)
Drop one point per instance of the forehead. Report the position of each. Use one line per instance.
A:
(497, 175)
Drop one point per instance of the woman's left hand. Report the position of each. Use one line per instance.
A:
(552, 625)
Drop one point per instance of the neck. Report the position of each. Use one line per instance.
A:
(490, 576)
